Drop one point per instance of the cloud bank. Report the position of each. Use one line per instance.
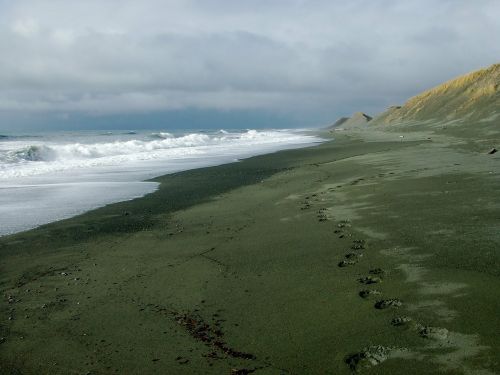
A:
(313, 58)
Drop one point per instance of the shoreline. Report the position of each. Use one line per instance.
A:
(260, 266)
(131, 194)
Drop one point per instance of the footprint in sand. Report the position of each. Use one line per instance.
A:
(350, 259)
(377, 272)
(347, 263)
(322, 214)
(370, 280)
(367, 293)
(344, 224)
(401, 321)
(358, 245)
(372, 356)
(388, 303)
(353, 255)
(428, 332)
(433, 333)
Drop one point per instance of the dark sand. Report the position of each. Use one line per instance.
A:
(235, 269)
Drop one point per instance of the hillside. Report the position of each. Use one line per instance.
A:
(474, 96)
(356, 120)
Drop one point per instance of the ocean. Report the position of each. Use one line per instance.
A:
(45, 177)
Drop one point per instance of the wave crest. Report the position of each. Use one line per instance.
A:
(161, 135)
(28, 159)
(36, 153)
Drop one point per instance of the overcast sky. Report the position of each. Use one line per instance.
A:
(259, 62)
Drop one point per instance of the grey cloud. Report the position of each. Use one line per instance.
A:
(293, 56)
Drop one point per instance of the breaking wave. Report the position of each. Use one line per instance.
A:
(161, 135)
(28, 158)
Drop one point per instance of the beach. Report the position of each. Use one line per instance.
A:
(41, 173)
(374, 252)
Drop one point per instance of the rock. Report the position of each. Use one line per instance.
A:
(370, 280)
(434, 333)
(366, 293)
(387, 303)
(492, 151)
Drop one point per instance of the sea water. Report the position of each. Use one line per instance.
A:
(46, 177)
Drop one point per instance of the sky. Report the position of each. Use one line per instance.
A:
(67, 64)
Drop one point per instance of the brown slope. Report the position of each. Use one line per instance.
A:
(473, 96)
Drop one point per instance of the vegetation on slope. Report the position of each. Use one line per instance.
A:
(474, 96)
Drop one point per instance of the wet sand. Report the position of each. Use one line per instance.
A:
(371, 253)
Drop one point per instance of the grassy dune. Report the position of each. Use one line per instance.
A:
(471, 97)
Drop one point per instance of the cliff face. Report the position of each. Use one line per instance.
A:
(474, 96)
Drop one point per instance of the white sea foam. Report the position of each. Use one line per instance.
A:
(24, 159)
(77, 167)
